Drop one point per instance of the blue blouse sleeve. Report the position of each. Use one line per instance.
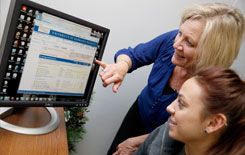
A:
(146, 53)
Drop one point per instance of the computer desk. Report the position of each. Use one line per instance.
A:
(53, 143)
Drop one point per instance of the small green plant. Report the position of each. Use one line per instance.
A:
(75, 119)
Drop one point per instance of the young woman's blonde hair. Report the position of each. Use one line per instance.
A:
(223, 33)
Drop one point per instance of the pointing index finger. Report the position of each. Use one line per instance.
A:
(102, 64)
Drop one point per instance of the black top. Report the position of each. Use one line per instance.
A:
(168, 90)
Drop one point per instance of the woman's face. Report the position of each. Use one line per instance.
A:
(186, 122)
(186, 41)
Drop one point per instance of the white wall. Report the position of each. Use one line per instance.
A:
(130, 22)
(4, 5)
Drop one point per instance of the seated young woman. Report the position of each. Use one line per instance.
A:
(207, 118)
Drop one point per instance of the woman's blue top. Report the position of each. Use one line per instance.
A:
(151, 101)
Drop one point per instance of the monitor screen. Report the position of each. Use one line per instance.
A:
(48, 57)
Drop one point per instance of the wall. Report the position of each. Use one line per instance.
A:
(130, 22)
(4, 5)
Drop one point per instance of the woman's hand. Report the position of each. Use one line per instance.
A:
(127, 147)
(130, 145)
(114, 73)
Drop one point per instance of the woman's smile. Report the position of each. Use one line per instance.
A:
(178, 56)
(172, 123)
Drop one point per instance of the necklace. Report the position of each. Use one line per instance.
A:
(176, 81)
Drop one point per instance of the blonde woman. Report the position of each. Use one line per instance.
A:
(209, 34)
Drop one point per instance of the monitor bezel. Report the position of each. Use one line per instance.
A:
(6, 45)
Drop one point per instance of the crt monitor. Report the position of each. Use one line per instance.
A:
(47, 58)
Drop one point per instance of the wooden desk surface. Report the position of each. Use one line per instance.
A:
(54, 143)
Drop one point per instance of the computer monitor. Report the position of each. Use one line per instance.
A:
(47, 57)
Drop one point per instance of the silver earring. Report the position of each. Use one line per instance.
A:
(206, 131)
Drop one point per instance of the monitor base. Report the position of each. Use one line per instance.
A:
(52, 125)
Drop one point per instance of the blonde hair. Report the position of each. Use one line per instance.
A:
(222, 35)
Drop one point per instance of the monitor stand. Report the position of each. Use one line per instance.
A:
(52, 125)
